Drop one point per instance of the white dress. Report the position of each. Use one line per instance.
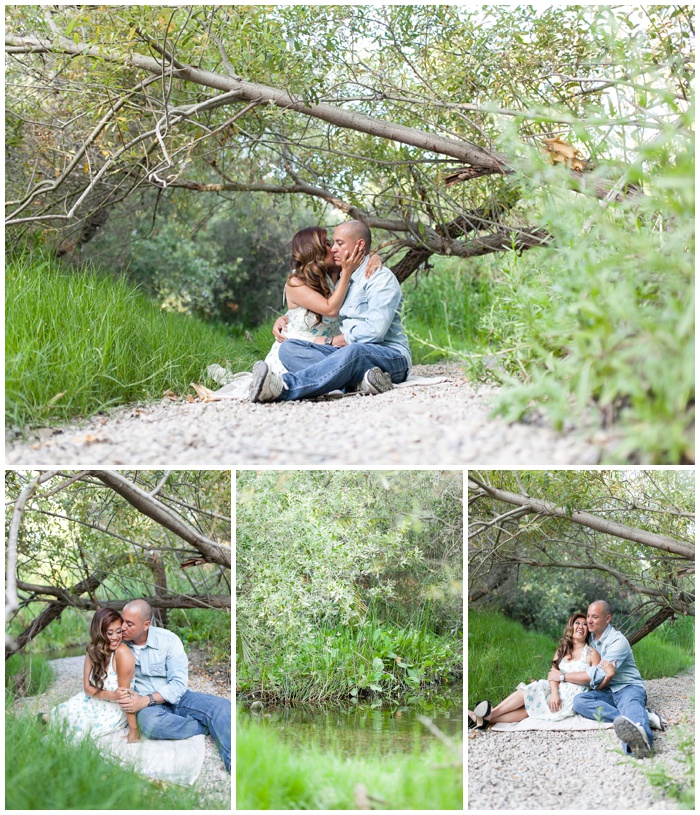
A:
(84, 715)
(303, 325)
(537, 693)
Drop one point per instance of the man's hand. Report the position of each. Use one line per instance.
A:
(279, 329)
(554, 675)
(133, 703)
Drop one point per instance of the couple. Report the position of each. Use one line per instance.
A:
(135, 675)
(366, 348)
(593, 674)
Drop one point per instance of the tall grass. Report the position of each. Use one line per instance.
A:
(443, 309)
(503, 653)
(27, 675)
(78, 342)
(271, 774)
(44, 772)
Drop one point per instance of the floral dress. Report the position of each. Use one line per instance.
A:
(303, 325)
(84, 715)
(537, 693)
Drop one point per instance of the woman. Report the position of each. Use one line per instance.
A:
(315, 290)
(546, 699)
(109, 664)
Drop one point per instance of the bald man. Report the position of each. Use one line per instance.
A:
(164, 707)
(371, 354)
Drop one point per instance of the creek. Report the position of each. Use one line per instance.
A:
(365, 728)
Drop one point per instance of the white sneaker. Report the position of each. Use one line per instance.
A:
(375, 381)
(265, 386)
(633, 735)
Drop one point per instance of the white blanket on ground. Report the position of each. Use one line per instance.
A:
(236, 386)
(176, 761)
(570, 723)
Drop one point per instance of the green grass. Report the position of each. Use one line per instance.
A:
(209, 628)
(78, 342)
(272, 775)
(388, 662)
(443, 310)
(680, 786)
(27, 675)
(44, 772)
(503, 653)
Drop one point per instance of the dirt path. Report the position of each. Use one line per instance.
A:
(442, 425)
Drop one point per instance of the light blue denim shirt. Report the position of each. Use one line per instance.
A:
(371, 311)
(161, 665)
(613, 645)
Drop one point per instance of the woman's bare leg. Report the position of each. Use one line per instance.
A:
(511, 716)
(513, 702)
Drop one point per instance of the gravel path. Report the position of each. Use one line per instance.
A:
(442, 425)
(213, 784)
(578, 770)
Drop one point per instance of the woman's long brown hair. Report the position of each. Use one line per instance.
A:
(308, 260)
(566, 643)
(98, 650)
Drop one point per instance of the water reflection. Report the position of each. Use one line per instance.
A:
(360, 729)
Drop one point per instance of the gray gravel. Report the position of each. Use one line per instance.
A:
(442, 425)
(213, 783)
(579, 770)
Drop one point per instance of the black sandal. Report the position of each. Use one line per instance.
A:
(481, 711)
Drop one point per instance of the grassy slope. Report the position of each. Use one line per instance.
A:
(502, 654)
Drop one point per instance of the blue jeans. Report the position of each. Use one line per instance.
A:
(629, 701)
(317, 369)
(195, 713)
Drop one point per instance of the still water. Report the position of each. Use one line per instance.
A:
(352, 729)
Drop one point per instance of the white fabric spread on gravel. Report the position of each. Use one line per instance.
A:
(176, 761)
(579, 770)
(236, 386)
(571, 723)
(213, 783)
(448, 424)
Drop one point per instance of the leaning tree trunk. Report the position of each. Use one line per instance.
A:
(650, 625)
(160, 587)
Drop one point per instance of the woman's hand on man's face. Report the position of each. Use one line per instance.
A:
(352, 260)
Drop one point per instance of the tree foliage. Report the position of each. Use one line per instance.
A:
(546, 543)
(320, 549)
(100, 538)
(365, 108)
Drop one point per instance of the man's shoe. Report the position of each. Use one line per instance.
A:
(375, 381)
(265, 386)
(634, 736)
(655, 720)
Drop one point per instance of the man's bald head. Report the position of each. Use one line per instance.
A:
(136, 617)
(347, 236)
(359, 231)
(141, 609)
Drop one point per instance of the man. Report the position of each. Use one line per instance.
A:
(372, 350)
(623, 701)
(164, 707)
